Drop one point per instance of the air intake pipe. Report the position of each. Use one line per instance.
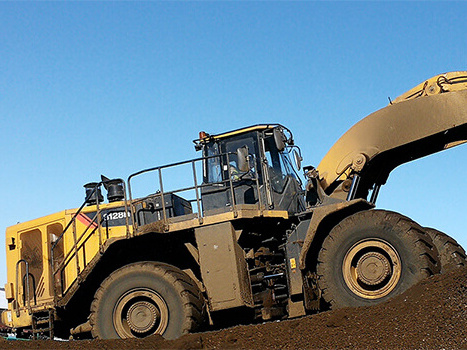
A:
(114, 189)
(93, 193)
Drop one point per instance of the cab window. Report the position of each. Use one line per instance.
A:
(213, 171)
(279, 166)
(217, 168)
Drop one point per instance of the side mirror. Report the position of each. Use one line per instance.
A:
(242, 159)
(298, 159)
(279, 139)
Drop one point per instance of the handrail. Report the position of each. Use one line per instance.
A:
(71, 252)
(27, 287)
(33, 287)
(77, 246)
(198, 204)
(76, 214)
(229, 182)
(232, 192)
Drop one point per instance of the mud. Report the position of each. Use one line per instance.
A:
(431, 315)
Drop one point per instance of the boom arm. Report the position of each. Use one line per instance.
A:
(425, 120)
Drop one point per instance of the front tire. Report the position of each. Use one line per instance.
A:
(142, 299)
(372, 256)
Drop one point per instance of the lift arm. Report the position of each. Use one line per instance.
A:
(427, 119)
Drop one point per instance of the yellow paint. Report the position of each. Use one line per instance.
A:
(33, 241)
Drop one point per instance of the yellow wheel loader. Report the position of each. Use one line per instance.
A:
(242, 239)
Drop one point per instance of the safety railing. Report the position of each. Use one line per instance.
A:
(224, 160)
(79, 239)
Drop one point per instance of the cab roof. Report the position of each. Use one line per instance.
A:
(205, 137)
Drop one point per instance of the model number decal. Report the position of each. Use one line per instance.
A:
(116, 215)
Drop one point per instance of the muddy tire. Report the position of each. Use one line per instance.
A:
(146, 298)
(451, 254)
(372, 256)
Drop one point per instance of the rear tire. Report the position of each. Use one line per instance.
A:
(451, 254)
(372, 256)
(146, 298)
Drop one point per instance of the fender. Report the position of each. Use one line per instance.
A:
(328, 216)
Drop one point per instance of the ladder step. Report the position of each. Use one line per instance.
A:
(42, 321)
(42, 324)
(41, 330)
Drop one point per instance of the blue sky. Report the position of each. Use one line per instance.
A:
(114, 87)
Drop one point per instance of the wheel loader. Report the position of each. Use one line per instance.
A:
(243, 239)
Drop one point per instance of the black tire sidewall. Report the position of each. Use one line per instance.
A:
(341, 242)
(125, 281)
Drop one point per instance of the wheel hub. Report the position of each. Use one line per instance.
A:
(373, 268)
(142, 316)
(140, 312)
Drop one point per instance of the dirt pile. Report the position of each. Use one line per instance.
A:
(431, 315)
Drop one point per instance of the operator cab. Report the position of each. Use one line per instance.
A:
(250, 166)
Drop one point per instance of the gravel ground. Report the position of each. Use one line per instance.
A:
(430, 315)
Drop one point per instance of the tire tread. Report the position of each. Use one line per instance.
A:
(427, 254)
(451, 253)
(191, 297)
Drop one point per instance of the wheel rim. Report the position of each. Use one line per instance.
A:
(139, 313)
(372, 268)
